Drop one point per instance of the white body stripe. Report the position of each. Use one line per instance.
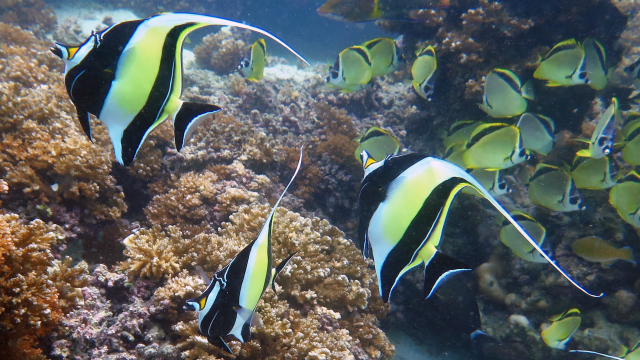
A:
(210, 300)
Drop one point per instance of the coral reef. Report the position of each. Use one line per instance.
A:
(223, 51)
(34, 15)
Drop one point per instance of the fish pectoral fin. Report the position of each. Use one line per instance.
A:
(218, 342)
(188, 117)
(440, 269)
(279, 268)
(83, 117)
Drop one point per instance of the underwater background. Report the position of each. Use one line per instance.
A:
(97, 259)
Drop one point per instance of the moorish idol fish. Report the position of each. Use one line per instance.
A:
(628, 354)
(595, 249)
(553, 188)
(495, 146)
(625, 198)
(562, 328)
(603, 137)
(492, 180)
(403, 204)
(460, 132)
(594, 174)
(386, 56)
(227, 306)
(370, 10)
(631, 149)
(378, 142)
(130, 77)
(422, 71)
(561, 66)
(352, 69)
(594, 64)
(252, 67)
(510, 236)
(504, 96)
(537, 132)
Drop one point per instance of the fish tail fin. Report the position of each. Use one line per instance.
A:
(595, 353)
(527, 90)
(628, 255)
(279, 268)
(218, 342)
(440, 269)
(187, 118)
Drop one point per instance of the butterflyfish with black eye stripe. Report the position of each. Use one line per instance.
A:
(601, 143)
(553, 188)
(537, 132)
(631, 149)
(510, 236)
(594, 64)
(492, 180)
(561, 66)
(594, 174)
(351, 70)
(252, 67)
(562, 328)
(495, 146)
(504, 95)
(460, 132)
(422, 70)
(130, 77)
(403, 205)
(228, 304)
(625, 198)
(378, 142)
(386, 56)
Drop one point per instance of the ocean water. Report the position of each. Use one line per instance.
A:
(107, 235)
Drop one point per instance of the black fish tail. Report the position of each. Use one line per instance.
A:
(189, 117)
(440, 269)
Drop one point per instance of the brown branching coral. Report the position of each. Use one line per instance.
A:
(34, 15)
(35, 290)
(223, 51)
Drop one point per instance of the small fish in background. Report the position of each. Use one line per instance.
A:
(460, 132)
(595, 249)
(537, 132)
(594, 174)
(491, 180)
(252, 67)
(594, 64)
(352, 69)
(601, 143)
(130, 77)
(627, 354)
(504, 95)
(633, 71)
(561, 66)
(562, 328)
(386, 56)
(228, 305)
(400, 189)
(631, 149)
(378, 142)
(512, 238)
(370, 10)
(625, 198)
(553, 188)
(495, 146)
(422, 72)
(455, 154)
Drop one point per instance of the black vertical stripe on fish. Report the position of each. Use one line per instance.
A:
(373, 134)
(459, 126)
(508, 79)
(545, 124)
(415, 234)
(560, 48)
(484, 132)
(371, 44)
(543, 170)
(363, 54)
(633, 134)
(579, 160)
(160, 91)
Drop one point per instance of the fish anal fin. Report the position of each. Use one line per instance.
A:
(439, 269)
(279, 268)
(218, 342)
(187, 118)
(83, 117)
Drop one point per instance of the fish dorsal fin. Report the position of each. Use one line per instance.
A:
(275, 207)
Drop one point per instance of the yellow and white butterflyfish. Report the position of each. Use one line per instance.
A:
(561, 66)
(491, 180)
(252, 66)
(422, 70)
(595, 249)
(537, 132)
(351, 70)
(562, 328)
(460, 132)
(378, 142)
(553, 188)
(631, 149)
(594, 64)
(504, 95)
(625, 198)
(228, 304)
(601, 143)
(455, 154)
(510, 236)
(495, 146)
(386, 56)
(403, 205)
(130, 77)
(628, 354)
(594, 174)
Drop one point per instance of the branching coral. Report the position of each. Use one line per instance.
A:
(34, 15)
(223, 51)
(35, 290)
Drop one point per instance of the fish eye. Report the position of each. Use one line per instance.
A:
(574, 200)
(502, 186)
